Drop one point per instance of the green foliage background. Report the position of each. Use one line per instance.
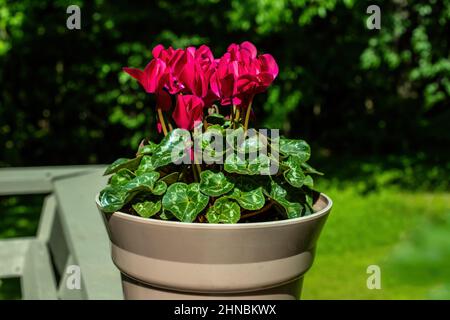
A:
(342, 86)
(374, 104)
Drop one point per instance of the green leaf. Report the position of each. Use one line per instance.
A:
(308, 169)
(166, 215)
(299, 148)
(250, 200)
(259, 165)
(214, 184)
(253, 143)
(211, 143)
(146, 165)
(235, 138)
(184, 201)
(236, 164)
(309, 182)
(147, 209)
(145, 181)
(147, 149)
(122, 163)
(112, 199)
(172, 148)
(294, 175)
(159, 188)
(121, 177)
(278, 194)
(224, 211)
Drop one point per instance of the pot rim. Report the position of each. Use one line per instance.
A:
(193, 225)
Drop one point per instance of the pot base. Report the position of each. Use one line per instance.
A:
(135, 290)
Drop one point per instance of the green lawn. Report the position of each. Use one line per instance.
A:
(407, 234)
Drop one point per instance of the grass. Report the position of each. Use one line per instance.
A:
(405, 233)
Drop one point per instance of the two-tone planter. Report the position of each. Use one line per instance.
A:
(175, 260)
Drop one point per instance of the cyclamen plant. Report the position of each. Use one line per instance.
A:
(262, 178)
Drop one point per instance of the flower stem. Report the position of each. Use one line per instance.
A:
(247, 115)
(161, 120)
(194, 172)
(233, 110)
(238, 115)
(199, 169)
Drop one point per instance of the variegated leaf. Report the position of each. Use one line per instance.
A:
(121, 163)
(250, 200)
(184, 201)
(299, 148)
(147, 209)
(224, 211)
(121, 177)
(214, 184)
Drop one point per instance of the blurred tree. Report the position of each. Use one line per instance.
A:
(64, 99)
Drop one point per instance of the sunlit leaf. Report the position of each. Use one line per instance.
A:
(147, 209)
(184, 201)
(224, 210)
(214, 184)
(121, 163)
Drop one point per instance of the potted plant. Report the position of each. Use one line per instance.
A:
(215, 209)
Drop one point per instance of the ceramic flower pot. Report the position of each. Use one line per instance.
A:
(174, 260)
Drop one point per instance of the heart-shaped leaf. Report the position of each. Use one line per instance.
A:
(250, 200)
(224, 211)
(214, 184)
(145, 181)
(172, 149)
(294, 175)
(184, 201)
(122, 163)
(112, 199)
(147, 209)
(299, 148)
(121, 177)
(278, 194)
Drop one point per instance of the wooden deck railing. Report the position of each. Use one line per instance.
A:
(70, 233)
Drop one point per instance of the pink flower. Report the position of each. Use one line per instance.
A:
(188, 111)
(244, 52)
(152, 76)
(153, 79)
(198, 80)
(172, 59)
(191, 74)
(241, 74)
(224, 79)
